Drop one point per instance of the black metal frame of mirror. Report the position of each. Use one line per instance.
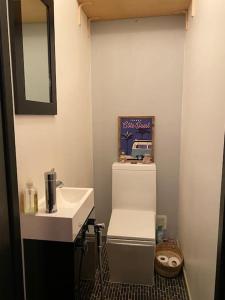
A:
(22, 105)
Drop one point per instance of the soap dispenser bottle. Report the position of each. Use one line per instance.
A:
(30, 199)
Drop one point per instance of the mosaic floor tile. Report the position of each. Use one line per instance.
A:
(163, 289)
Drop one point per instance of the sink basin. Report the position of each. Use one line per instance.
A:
(74, 206)
(71, 196)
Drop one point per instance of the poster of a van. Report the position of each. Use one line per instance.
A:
(136, 137)
(140, 148)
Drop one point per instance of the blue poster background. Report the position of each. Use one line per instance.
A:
(133, 129)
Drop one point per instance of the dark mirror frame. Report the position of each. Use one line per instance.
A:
(23, 106)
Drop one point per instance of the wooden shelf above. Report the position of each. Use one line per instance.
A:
(124, 9)
(33, 11)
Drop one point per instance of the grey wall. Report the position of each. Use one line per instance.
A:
(137, 69)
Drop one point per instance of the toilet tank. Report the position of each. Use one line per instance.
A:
(134, 186)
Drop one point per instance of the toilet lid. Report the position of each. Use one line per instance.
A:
(132, 224)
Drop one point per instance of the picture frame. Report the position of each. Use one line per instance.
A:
(136, 137)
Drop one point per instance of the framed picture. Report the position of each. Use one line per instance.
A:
(136, 137)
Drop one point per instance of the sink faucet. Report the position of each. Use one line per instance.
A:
(59, 184)
(50, 190)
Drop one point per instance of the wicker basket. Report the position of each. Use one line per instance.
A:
(169, 249)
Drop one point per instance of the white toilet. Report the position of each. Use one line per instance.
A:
(131, 232)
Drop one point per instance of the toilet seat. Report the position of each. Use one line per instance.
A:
(131, 246)
(132, 225)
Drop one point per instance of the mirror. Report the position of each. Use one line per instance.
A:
(33, 56)
(35, 51)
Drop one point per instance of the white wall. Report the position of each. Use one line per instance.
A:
(63, 141)
(137, 69)
(202, 145)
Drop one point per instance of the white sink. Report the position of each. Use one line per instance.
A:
(74, 206)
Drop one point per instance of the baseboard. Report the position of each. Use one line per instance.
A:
(185, 276)
(187, 285)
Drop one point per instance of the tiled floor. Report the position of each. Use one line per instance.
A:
(163, 289)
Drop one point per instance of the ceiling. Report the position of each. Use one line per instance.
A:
(123, 9)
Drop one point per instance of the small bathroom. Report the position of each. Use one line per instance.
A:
(112, 128)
